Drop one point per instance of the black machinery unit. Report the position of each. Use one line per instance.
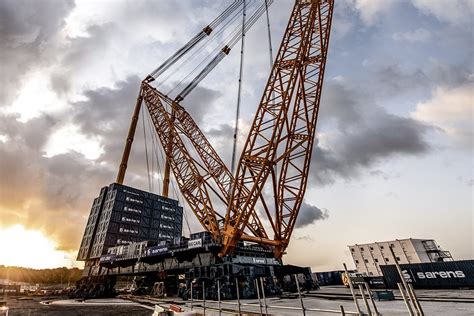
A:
(122, 215)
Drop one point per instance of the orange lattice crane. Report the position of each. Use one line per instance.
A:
(272, 173)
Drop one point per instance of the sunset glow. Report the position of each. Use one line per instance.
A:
(31, 248)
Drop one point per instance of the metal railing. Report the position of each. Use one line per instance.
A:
(261, 306)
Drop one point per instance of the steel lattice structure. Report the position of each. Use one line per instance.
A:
(277, 153)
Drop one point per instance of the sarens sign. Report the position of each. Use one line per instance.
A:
(432, 275)
(407, 275)
(441, 274)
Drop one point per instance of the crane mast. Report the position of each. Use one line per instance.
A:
(277, 153)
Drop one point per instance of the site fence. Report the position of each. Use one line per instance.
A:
(262, 306)
(214, 305)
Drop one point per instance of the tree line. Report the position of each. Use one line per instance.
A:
(41, 276)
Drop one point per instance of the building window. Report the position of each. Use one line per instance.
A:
(370, 273)
(352, 249)
(357, 261)
(398, 258)
(376, 260)
(366, 261)
(361, 248)
(371, 248)
(381, 247)
(387, 259)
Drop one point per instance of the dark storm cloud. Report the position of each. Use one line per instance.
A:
(38, 191)
(309, 214)
(358, 135)
(61, 188)
(106, 113)
(80, 52)
(365, 135)
(201, 101)
(28, 30)
(391, 79)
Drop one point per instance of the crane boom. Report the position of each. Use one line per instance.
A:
(277, 153)
(277, 125)
(191, 183)
(213, 165)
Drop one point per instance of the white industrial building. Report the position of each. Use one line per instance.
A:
(369, 257)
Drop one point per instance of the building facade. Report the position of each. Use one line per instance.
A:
(369, 257)
(121, 215)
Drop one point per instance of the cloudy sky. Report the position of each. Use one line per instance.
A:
(394, 155)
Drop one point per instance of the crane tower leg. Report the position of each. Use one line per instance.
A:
(131, 134)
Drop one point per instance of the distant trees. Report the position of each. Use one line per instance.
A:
(41, 276)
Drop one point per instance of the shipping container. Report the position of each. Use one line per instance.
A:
(123, 215)
(329, 278)
(433, 275)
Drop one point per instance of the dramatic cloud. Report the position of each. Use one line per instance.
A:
(452, 110)
(390, 80)
(309, 214)
(30, 32)
(366, 134)
(38, 191)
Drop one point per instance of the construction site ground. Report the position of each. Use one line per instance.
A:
(433, 302)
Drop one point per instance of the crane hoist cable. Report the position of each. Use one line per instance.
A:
(206, 31)
(154, 142)
(269, 34)
(223, 52)
(200, 48)
(239, 92)
(155, 152)
(237, 115)
(146, 154)
(214, 51)
(176, 191)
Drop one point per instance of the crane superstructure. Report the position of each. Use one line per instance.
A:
(271, 176)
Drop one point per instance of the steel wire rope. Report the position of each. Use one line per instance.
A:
(146, 152)
(196, 39)
(232, 35)
(239, 92)
(152, 158)
(213, 52)
(199, 48)
(154, 149)
(269, 35)
(219, 56)
(173, 186)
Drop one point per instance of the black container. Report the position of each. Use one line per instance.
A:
(434, 275)
(329, 278)
(123, 215)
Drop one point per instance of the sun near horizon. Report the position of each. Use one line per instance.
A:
(27, 248)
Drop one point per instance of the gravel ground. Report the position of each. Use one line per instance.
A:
(34, 307)
(59, 307)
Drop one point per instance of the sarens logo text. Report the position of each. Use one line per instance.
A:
(441, 274)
